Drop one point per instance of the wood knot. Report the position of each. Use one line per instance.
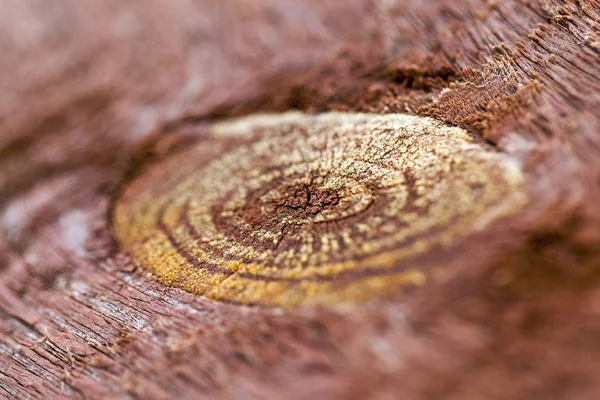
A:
(295, 209)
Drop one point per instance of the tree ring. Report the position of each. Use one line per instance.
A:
(293, 209)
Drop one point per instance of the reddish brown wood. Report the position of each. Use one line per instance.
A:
(85, 86)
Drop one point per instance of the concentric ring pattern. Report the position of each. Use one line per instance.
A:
(296, 209)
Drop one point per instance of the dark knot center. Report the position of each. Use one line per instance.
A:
(304, 201)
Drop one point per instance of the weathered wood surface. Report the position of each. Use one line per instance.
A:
(85, 85)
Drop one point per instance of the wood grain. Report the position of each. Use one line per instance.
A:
(92, 91)
(290, 209)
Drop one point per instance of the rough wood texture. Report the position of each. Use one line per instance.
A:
(292, 209)
(88, 86)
